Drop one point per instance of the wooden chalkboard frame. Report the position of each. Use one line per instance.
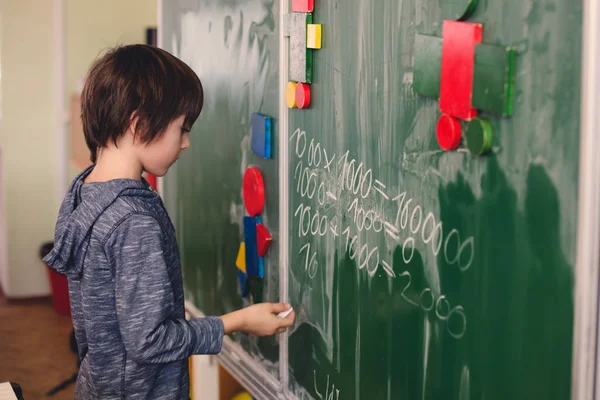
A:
(585, 372)
(586, 346)
(284, 247)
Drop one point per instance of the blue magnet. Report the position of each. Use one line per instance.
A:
(251, 246)
(261, 135)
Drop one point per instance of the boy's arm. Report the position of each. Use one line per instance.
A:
(145, 300)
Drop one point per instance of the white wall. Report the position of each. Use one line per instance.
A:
(27, 139)
(3, 246)
(94, 26)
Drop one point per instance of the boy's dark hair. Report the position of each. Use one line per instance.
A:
(141, 81)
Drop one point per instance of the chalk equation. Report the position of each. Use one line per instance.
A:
(341, 198)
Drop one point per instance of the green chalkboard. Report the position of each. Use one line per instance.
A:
(423, 274)
(233, 46)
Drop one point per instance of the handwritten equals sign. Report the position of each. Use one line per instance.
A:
(391, 231)
(388, 269)
(380, 187)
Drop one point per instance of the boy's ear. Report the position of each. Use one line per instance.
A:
(133, 125)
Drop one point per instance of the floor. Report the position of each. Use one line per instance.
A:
(34, 347)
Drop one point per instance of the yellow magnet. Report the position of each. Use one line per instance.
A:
(241, 258)
(290, 94)
(242, 396)
(313, 36)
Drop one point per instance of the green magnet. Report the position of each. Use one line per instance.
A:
(428, 62)
(479, 136)
(494, 79)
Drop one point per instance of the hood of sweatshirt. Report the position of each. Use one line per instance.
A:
(83, 204)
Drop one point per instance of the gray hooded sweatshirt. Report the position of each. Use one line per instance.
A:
(116, 244)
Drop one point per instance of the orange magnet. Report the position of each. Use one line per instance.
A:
(263, 239)
(448, 132)
(253, 191)
(290, 94)
(302, 95)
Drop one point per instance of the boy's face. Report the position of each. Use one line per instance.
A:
(158, 156)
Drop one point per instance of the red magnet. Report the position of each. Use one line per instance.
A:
(302, 95)
(263, 239)
(458, 61)
(253, 191)
(303, 6)
(448, 132)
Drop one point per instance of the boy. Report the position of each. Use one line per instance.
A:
(115, 241)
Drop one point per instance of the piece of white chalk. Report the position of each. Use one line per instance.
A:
(285, 313)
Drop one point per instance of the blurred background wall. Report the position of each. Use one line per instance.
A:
(46, 49)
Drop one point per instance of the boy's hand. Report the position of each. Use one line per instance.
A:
(262, 319)
(259, 319)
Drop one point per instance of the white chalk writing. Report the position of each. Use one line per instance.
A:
(340, 197)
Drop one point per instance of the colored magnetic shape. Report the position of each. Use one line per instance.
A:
(285, 29)
(261, 135)
(253, 191)
(428, 64)
(256, 288)
(261, 267)
(494, 79)
(458, 60)
(448, 132)
(300, 56)
(303, 6)
(479, 136)
(242, 396)
(240, 261)
(243, 283)
(314, 33)
(458, 9)
(302, 95)
(251, 249)
(263, 239)
(290, 94)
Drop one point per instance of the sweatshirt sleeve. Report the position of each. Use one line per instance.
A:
(145, 300)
